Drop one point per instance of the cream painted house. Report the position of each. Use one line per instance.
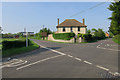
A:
(71, 25)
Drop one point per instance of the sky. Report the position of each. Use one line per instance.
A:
(33, 15)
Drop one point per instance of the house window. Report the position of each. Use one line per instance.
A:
(71, 29)
(63, 29)
(78, 28)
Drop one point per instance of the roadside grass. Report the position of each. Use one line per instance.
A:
(116, 40)
(12, 39)
(15, 51)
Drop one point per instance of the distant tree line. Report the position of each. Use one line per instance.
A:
(47, 30)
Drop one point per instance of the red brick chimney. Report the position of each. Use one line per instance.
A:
(58, 21)
(83, 21)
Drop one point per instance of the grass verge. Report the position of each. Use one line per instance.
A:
(116, 39)
(15, 51)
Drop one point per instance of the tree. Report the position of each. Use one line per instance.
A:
(20, 34)
(45, 30)
(98, 34)
(89, 31)
(115, 19)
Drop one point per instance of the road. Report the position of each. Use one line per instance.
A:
(65, 60)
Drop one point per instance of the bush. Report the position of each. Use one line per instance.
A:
(63, 36)
(116, 38)
(79, 35)
(14, 44)
(99, 34)
(87, 37)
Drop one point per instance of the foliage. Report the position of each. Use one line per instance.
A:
(64, 36)
(98, 34)
(87, 37)
(115, 19)
(89, 31)
(45, 30)
(7, 35)
(116, 38)
(79, 35)
(39, 36)
(14, 51)
(13, 44)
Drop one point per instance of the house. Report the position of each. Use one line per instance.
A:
(71, 25)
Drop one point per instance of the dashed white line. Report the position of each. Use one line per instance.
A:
(37, 62)
(78, 59)
(69, 56)
(87, 62)
(102, 68)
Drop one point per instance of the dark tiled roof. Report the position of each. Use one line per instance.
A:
(71, 22)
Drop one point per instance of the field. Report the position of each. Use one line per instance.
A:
(15, 51)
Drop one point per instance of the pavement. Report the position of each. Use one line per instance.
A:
(65, 60)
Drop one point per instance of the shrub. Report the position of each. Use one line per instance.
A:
(87, 37)
(116, 38)
(14, 44)
(99, 34)
(79, 35)
(63, 36)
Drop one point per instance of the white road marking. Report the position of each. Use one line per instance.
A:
(78, 59)
(69, 55)
(19, 64)
(37, 62)
(12, 64)
(87, 62)
(105, 45)
(102, 68)
(107, 48)
(52, 50)
(13, 60)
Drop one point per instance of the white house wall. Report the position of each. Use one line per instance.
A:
(75, 30)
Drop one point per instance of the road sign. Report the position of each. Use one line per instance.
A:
(44, 34)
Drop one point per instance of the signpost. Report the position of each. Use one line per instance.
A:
(44, 34)
(26, 39)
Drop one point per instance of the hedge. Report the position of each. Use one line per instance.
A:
(14, 44)
(116, 38)
(64, 36)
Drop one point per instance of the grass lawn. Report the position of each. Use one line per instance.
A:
(15, 51)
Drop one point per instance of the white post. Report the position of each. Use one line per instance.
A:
(26, 39)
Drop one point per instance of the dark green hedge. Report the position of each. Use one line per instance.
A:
(63, 36)
(14, 44)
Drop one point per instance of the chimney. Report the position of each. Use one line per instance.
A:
(58, 21)
(83, 21)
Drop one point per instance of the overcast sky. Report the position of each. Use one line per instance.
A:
(33, 15)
